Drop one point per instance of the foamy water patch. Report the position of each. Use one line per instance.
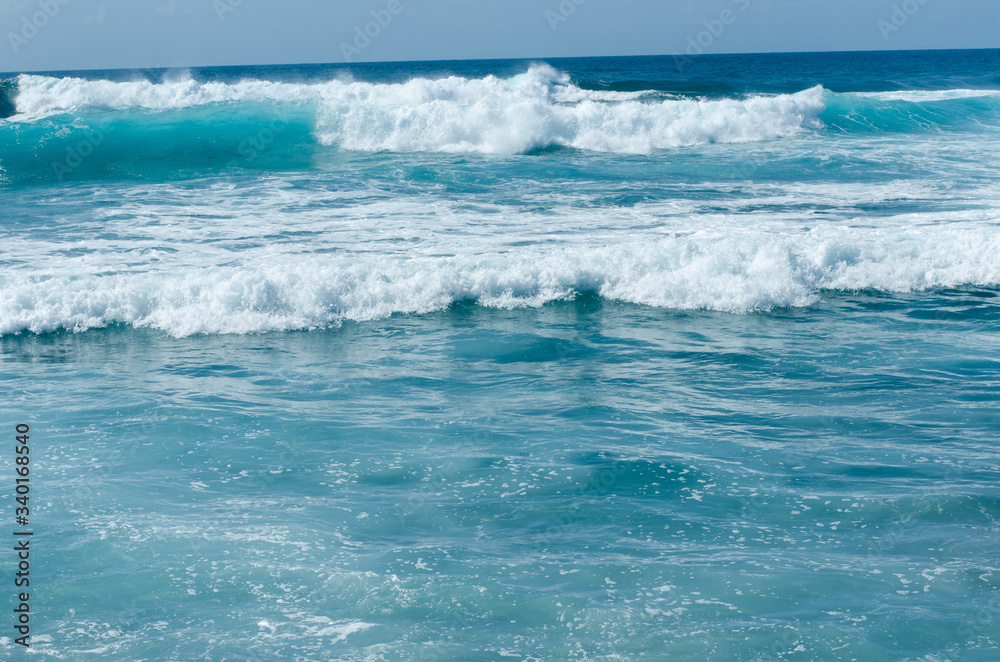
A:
(733, 272)
(39, 96)
(925, 96)
(492, 117)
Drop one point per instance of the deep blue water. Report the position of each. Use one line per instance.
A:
(591, 359)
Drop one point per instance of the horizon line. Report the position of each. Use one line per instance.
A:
(501, 59)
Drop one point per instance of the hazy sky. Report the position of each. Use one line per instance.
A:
(94, 34)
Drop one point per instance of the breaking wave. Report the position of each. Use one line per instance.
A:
(739, 271)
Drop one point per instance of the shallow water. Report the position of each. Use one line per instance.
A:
(587, 479)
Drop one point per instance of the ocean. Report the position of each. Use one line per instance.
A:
(569, 359)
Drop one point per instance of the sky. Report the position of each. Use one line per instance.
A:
(46, 35)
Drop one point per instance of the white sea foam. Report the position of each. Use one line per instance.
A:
(926, 96)
(38, 96)
(736, 271)
(538, 109)
(506, 117)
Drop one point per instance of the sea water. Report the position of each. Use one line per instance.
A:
(595, 359)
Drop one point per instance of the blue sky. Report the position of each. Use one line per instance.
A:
(91, 34)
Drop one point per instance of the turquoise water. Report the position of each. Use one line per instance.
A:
(592, 359)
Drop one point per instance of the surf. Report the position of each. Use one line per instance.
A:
(737, 271)
(136, 128)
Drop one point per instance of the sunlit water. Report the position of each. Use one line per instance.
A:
(597, 360)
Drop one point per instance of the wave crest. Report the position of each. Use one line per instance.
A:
(732, 272)
(535, 110)
(515, 116)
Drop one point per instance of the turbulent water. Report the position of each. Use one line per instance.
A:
(607, 359)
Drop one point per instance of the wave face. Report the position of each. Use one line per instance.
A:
(540, 109)
(8, 94)
(208, 124)
(147, 129)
